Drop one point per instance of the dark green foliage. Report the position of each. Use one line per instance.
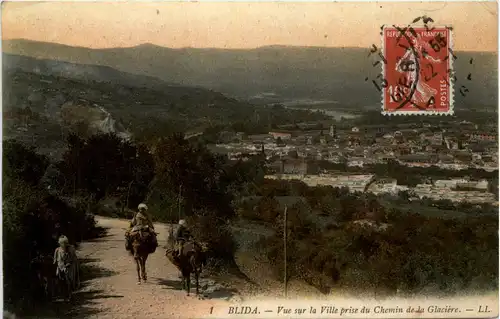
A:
(208, 227)
(204, 184)
(199, 175)
(245, 175)
(22, 162)
(394, 250)
(105, 165)
(33, 219)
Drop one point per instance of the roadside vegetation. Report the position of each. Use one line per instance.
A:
(33, 219)
(337, 239)
(360, 242)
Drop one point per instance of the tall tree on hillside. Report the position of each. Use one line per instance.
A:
(207, 186)
(142, 173)
(199, 174)
(107, 165)
(245, 176)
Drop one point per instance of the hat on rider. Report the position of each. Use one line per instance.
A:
(142, 206)
(182, 222)
(63, 241)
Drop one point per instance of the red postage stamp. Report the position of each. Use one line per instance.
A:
(417, 71)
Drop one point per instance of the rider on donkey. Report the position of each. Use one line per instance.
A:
(181, 236)
(141, 221)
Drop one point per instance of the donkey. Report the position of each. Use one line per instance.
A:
(191, 260)
(141, 248)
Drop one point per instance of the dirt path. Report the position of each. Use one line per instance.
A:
(113, 292)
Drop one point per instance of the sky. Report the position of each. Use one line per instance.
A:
(241, 25)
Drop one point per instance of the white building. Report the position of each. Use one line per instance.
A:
(353, 182)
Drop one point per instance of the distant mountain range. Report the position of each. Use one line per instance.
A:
(337, 74)
(81, 72)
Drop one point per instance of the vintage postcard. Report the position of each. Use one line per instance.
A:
(250, 159)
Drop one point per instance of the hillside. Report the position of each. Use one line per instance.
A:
(43, 100)
(288, 72)
(83, 72)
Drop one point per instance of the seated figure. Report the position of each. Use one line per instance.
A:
(140, 222)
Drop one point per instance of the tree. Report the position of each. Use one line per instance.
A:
(107, 165)
(208, 183)
(141, 172)
(244, 176)
(201, 175)
(33, 218)
(22, 162)
(268, 209)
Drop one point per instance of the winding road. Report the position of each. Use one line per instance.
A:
(109, 281)
(109, 284)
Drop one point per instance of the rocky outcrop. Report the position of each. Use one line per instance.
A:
(94, 116)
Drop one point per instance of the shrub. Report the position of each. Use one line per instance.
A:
(22, 162)
(33, 219)
(412, 253)
(213, 230)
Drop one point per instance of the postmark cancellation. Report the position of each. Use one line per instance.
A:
(417, 74)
